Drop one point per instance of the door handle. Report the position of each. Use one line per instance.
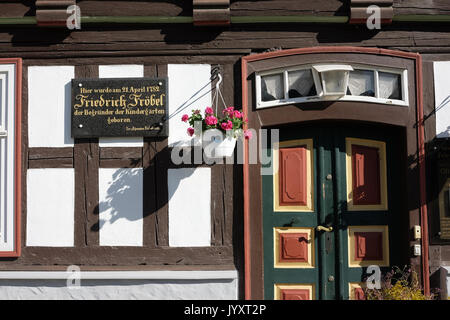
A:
(322, 228)
(3, 134)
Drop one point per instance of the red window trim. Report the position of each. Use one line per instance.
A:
(17, 157)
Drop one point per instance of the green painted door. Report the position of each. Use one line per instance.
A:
(331, 207)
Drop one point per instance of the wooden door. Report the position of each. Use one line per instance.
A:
(330, 209)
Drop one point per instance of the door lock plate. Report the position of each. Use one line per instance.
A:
(328, 243)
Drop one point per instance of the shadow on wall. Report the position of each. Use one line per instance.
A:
(444, 103)
(125, 195)
(68, 113)
(122, 195)
(445, 134)
(173, 184)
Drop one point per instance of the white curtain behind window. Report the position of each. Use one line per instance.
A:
(389, 84)
(272, 87)
(361, 83)
(300, 84)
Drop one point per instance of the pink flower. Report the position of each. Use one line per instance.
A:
(211, 120)
(227, 125)
(228, 110)
(248, 134)
(196, 111)
(190, 131)
(209, 110)
(185, 118)
(237, 114)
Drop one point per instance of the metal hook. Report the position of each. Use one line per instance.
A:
(214, 72)
(219, 82)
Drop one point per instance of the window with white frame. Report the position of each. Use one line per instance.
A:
(7, 159)
(318, 82)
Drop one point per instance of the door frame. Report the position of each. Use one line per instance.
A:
(345, 110)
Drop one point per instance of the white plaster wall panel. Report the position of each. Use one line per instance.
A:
(49, 105)
(50, 207)
(442, 98)
(185, 81)
(120, 290)
(120, 207)
(189, 207)
(121, 71)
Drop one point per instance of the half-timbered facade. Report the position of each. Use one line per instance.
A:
(348, 166)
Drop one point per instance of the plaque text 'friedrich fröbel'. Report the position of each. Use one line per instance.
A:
(119, 107)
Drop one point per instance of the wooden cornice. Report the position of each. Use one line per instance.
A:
(52, 13)
(359, 15)
(211, 12)
(221, 12)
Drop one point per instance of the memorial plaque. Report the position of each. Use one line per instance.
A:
(126, 107)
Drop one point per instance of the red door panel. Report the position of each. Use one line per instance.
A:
(293, 176)
(293, 247)
(295, 294)
(366, 175)
(368, 246)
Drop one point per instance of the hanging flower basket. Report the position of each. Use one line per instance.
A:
(219, 135)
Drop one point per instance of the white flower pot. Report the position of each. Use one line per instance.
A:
(226, 147)
(212, 136)
(216, 145)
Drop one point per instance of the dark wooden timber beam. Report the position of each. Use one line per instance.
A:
(52, 13)
(211, 12)
(221, 12)
(359, 13)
